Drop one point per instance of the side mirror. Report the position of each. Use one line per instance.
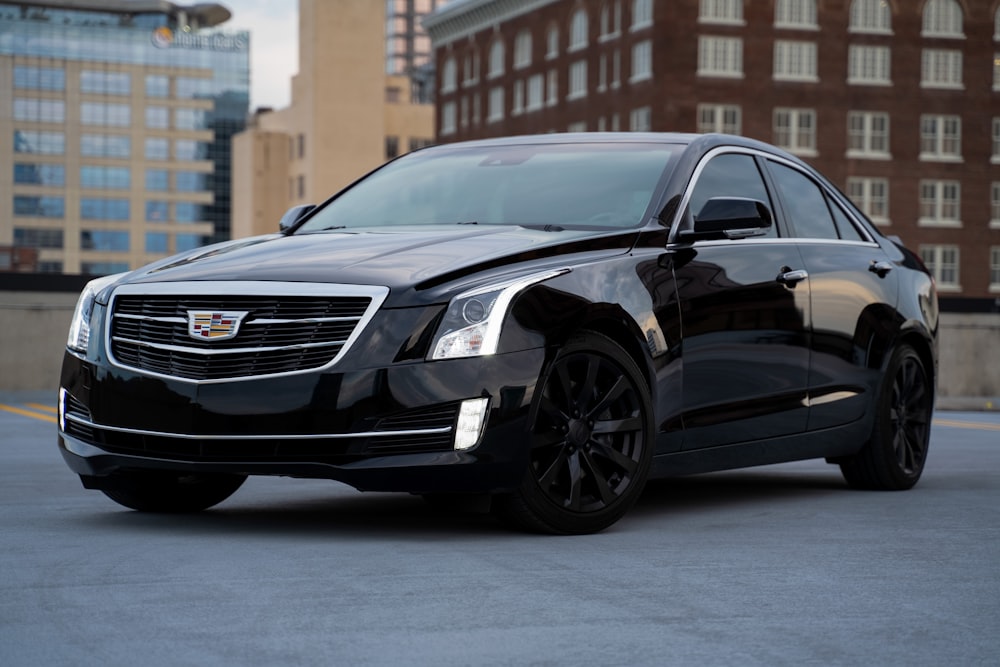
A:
(293, 215)
(729, 218)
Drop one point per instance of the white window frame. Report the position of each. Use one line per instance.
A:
(720, 57)
(498, 54)
(940, 138)
(866, 138)
(940, 203)
(517, 98)
(870, 17)
(447, 119)
(722, 118)
(642, 61)
(611, 21)
(552, 42)
(941, 68)
(869, 65)
(996, 68)
(552, 88)
(535, 93)
(449, 75)
(942, 260)
(495, 107)
(642, 14)
(641, 119)
(871, 195)
(578, 27)
(995, 269)
(577, 80)
(800, 130)
(995, 205)
(795, 14)
(579, 126)
(522, 50)
(470, 65)
(721, 12)
(942, 18)
(995, 153)
(795, 61)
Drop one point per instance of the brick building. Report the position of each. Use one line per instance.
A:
(898, 102)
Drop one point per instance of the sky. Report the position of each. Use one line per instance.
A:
(274, 51)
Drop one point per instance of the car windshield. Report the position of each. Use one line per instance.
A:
(601, 185)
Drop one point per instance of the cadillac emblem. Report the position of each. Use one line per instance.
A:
(214, 325)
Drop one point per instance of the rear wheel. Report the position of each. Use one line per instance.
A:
(591, 442)
(894, 456)
(169, 492)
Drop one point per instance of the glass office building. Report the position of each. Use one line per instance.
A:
(115, 129)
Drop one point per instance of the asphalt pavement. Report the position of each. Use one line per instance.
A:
(776, 565)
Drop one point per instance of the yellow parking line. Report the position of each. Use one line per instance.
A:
(43, 408)
(960, 424)
(28, 413)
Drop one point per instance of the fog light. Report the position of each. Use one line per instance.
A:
(471, 417)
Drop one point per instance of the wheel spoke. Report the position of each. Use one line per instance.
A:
(616, 391)
(548, 478)
(575, 481)
(600, 481)
(614, 456)
(590, 381)
(548, 407)
(618, 426)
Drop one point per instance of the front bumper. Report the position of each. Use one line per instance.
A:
(384, 429)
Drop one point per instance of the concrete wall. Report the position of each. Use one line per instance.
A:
(33, 328)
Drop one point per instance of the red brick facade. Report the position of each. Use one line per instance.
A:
(464, 31)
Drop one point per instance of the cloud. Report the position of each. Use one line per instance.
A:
(274, 51)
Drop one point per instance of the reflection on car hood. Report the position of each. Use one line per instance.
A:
(395, 258)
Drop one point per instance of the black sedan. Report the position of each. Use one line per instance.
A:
(544, 321)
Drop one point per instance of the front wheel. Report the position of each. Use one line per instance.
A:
(591, 441)
(169, 492)
(894, 456)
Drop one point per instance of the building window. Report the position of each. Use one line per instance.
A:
(302, 144)
(642, 61)
(496, 59)
(941, 68)
(640, 120)
(39, 78)
(995, 205)
(190, 181)
(39, 111)
(942, 18)
(940, 138)
(995, 158)
(552, 88)
(449, 75)
(536, 89)
(105, 83)
(940, 204)
(157, 118)
(157, 148)
(795, 61)
(39, 174)
(38, 238)
(185, 242)
(113, 241)
(720, 56)
(942, 262)
(392, 144)
(869, 65)
(995, 268)
(616, 69)
(868, 135)
(552, 43)
(157, 85)
(721, 11)
(725, 118)
(611, 20)
(108, 145)
(189, 149)
(105, 114)
(578, 30)
(190, 119)
(495, 110)
(416, 143)
(642, 14)
(577, 80)
(39, 207)
(471, 69)
(105, 178)
(156, 242)
(517, 98)
(795, 130)
(97, 208)
(996, 67)
(39, 143)
(871, 195)
(156, 211)
(185, 211)
(796, 14)
(871, 16)
(522, 50)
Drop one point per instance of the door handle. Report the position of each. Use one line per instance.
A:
(790, 277)
(880, 268)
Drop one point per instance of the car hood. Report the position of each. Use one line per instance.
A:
(403, 259)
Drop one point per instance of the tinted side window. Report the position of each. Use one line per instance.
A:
(804, 203)
(730, 175)
(847, 230)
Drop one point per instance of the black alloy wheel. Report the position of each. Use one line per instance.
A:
(169, 492)
(591, 441)
(894, 456)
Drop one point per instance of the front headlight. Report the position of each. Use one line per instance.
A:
(79, 328)
(471, 326)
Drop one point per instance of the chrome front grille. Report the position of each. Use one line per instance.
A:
(285, 327)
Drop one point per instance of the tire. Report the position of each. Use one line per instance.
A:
(894, 456)
(167, 492)
(591, 442)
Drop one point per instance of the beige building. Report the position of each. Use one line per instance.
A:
(348, 114)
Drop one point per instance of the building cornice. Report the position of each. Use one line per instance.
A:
(463, 18)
